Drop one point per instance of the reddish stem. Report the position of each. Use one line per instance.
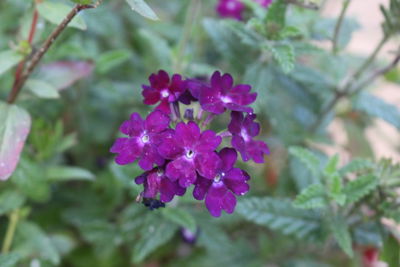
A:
(32, 31)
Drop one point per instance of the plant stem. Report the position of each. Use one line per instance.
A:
(191, 15)
(338, 26)
(14, 217)
(18, 84)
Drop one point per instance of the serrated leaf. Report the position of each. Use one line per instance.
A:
(279, 214)
(284, 54)
(142, 8)
(276, 13)
(42, 89)
(331, 165)
(311, 197)
(289, 31)
(14, 129)
(153, 235)
(57, 12)
(9, 59)
(307, 158)
(377, 107)
(356, 165)
(9, 259)
(9, 201)
(66, 173)
(360, 187)
(180, 217)
(341, 233)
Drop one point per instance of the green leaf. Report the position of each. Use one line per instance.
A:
(307, 158)
(276, 15)
(180, 217)
(279, 214)
(33, 241)
(66, 173)
(248, 36)
(289, 31)
(360, 187)
(112, 59)
(82, 2)
(9, 259)
(311, 197)
(356, 165)
(42, 89)
(336, 186)
(9, 59)
(9, 201)
(284, 54)
(14, 128)
(391, 251)
(57, 12)
(331, 165)
(153, 235)
(143, 9)
(341, 233)
(377, 107)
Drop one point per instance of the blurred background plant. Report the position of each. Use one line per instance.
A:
(63, 201)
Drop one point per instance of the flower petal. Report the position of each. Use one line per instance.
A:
(229, 202)
(209, 141)
(128, 150)
(207, 164)
(151, 96)
(182, 170)
(156, 122)
(213, 205)
(235, 126)
(188, 133)
(134, 126)
(201, 187)
(228, 157)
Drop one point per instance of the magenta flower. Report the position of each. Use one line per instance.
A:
(221, 95)
(219, 192)
(163, 89)
(230, 9)
(263, 3)
(190, 151)
(243, 130)
(144, 137)
(155, 182)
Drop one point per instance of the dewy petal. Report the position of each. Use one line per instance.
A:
(201, 187)
(188, 133)
(207, 164)
(210, 100)
(134, 126)
(149, 157)
(239, 143)
(170, 148)
(128, 150)
(213, 205)
(209, 141)
(228, 202)
(238, 187)
(182, 170)
(235, 126)
(235, 174)
(156, 122)
(228, 157)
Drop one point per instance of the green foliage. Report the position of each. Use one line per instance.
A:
(310, 198)
(9, 201)
(9, 59)
(342, 235)
(360, 187)
(42, 89)
(180, 217)
(55, 13)
(307, 158)
(9, 260)
(142, 8)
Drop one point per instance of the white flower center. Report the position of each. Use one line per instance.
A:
(218, 177)
(189, 154)
(145, 138)
(226, 99)
(164, 93)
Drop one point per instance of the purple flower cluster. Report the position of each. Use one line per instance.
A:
(177, 152)
(235, 8)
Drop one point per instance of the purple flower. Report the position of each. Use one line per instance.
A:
(243, 130)
(219, 191)
(230, 9)
(163, 89)
(221, 94)
(190, 151)
(155, 181)
(144, 137)
(263, 3)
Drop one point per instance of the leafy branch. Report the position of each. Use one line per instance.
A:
(20, 79)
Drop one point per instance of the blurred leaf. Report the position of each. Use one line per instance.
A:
(377, 107)
(284, 54)
(331, 165)
(63, 243)
(311, 197)
(14, 128)
(180, 217)
(341, 233)
(63, 74)
(275, 19)
(57, 12)
(66, 173)
(247, 35)
(356, 165)
(152, 236)
(156, 49)
(9, 59)
(357, 143)
(42, 89)
(279, 214)
(307, 158)
(289, 31)
(9, 201)
(360, 187)
(391, 251)
(82, 2)
(336, 187)
(111, 59)
(142, 8)
(9, 259)
(31, 240)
